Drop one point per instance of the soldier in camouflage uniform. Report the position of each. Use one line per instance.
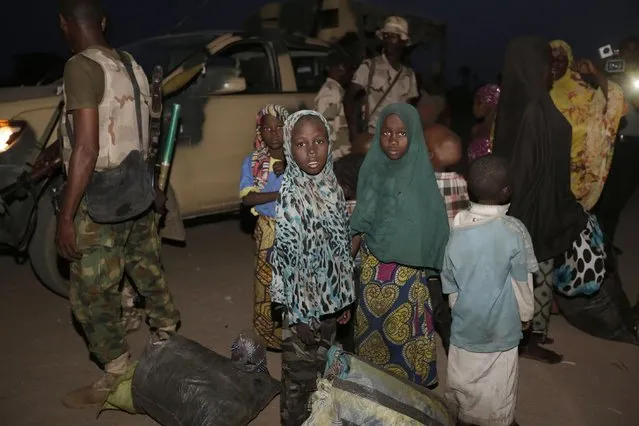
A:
(383, 80)
(329, 100)
(99, 129)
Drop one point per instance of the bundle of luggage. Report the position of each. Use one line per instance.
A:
(181, 383)
(355, 392)
(606, 314)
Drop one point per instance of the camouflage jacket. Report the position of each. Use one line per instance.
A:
(328, 102)
(383, 75)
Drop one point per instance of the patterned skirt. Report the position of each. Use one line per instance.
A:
(262, 321)
(394, 321)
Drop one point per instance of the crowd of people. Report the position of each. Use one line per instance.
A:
(496, 244)
(365, 229)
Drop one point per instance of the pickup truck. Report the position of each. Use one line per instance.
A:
(220, 79)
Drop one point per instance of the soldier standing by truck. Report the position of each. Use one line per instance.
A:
(384, 80)
(104, 128)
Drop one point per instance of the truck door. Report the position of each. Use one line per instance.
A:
(218, 129)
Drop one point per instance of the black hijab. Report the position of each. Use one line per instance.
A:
(536, 138)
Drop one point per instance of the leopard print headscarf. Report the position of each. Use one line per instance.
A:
(312, 262)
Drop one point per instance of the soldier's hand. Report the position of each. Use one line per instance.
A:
(65, 239)
(279, 167)
(160, 202)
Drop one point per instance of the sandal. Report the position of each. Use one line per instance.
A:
(537, 353)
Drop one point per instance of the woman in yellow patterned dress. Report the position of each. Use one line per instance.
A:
(401, 225)
(259, 187)
(594, 115)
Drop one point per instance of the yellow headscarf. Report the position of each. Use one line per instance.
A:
(594, 122)
(570, 91)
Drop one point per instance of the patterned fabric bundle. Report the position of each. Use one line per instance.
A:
(260, 163)
(584, 267)
(312, 263)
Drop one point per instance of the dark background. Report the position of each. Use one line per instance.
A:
(478, 30)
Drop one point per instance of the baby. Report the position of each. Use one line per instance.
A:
(487, 273)
(445, 151)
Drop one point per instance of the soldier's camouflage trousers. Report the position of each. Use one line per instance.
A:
(107, 251)
(301, 365)
(132, 316)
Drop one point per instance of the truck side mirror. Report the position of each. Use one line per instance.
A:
(231, 85)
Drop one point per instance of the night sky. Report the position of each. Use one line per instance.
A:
(478, 30)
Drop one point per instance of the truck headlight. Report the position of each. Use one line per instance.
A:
(635, 83)
(9, 132)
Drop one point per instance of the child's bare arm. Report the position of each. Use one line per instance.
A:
(357, 241)
(452, 299)
(449, 284)
(525, 298)
(256, 198)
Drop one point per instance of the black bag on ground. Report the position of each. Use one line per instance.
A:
(181, 383)
(606, 314)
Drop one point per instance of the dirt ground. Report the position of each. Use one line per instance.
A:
(42, 356)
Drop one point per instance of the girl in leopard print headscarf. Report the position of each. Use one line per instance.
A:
(312, 262)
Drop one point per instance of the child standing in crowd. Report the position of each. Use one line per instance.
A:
(259, 187)
(487, 273)
(446, 152)
(400, 222)
(312, 263)
(347, 171)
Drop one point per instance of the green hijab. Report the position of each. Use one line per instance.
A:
(400, 211)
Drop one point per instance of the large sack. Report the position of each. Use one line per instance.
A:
(606, 314)
(357, 393)
(181, 383)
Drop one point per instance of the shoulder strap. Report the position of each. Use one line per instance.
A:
(388, 90)
(371, 72)
(126, 60)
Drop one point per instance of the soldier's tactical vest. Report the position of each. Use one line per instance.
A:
(117, 116)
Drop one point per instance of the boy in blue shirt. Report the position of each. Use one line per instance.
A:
(487, 274)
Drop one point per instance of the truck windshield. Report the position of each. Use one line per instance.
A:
(168, 51)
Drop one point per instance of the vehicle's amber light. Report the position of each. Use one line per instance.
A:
(6, 133)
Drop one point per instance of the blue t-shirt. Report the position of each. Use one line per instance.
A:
(480, 261)
(247, 185)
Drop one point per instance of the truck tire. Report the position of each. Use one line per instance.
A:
(51, 269)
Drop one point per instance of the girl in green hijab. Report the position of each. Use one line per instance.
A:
(401, 224)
